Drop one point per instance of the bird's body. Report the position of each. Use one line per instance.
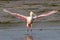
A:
(29, 22)
(30, 18)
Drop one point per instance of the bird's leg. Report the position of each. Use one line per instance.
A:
(31, 28)
(27, 29)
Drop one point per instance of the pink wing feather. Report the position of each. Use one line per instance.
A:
(42, 15)
(19, 16)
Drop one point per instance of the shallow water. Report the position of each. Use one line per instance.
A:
(41, 31)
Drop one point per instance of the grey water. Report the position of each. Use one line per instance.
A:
(40, 31)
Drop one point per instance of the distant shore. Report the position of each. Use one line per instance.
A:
(8, 22)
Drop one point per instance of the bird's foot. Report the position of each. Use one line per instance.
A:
(27, 30)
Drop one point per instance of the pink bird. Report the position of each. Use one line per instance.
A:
(31, 18)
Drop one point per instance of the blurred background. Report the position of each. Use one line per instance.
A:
(25, 6)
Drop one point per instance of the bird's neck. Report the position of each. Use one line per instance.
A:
(31, 15)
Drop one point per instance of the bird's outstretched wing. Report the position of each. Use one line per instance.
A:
(45, 14)
(19, 16)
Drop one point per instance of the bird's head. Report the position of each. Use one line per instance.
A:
(31, 13)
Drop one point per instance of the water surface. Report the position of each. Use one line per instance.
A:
(41, 31)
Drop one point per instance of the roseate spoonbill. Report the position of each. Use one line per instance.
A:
(30, 18)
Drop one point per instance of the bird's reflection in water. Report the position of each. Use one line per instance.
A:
(29, 37)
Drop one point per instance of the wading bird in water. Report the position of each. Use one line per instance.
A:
(31, 18)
